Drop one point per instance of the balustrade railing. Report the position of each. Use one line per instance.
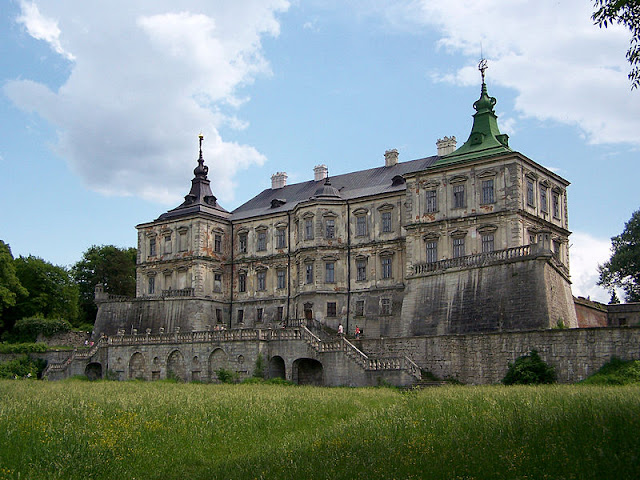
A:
(475, 260)
(181, 292)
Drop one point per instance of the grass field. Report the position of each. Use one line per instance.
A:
(135, 430)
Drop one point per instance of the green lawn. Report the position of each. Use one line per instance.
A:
(135, 430)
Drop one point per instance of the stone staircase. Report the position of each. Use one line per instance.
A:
(339, 343)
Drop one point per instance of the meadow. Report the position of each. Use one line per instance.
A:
(161, 430)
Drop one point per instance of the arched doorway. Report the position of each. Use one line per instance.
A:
(217, 360)
(137, 366)
(277, 368)
(93, 371)
(175, 366)
(308, 311)
(307, 371)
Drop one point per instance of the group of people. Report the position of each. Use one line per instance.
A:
(358, 331)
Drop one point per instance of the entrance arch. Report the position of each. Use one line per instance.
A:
(93, 371)
(137, 366)
(307, 371)
(308, 311)
(217, 360)
(277, 368)
(176, 367)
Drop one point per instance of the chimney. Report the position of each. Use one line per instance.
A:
(446, 145)
(390, 158)
(320, 172)
(278, 180)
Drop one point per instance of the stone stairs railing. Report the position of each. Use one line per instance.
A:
(75, 354)
(475, 260)
(341, 344)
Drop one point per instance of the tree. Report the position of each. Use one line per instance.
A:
(623, 268)
(52, 291)
(11, 290)
(114, 267)
(627, 13)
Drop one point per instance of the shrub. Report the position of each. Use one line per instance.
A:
(22, 347)
(258, 370)
(226, 376)
(529, 370)
(28, 329)
(616, 372)
(22, 367)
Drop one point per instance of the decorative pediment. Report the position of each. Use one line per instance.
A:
(360, 211)
(458, 179)
(329, 258)
(281, 225)
(458, 233)
(487, 228)
(531, 175)
(182, 230)
(262, 228)
(545, 183)
(307, 215)
(431, 236)
(386, 253)
(385, 207)
(430, 184)
(329, 215)
(487, 173)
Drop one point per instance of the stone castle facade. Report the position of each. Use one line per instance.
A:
(466, 247)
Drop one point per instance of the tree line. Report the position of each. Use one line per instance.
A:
(33, 287)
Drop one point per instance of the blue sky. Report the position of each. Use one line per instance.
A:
(101, 105)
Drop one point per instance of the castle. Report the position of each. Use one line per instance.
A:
(469, 245)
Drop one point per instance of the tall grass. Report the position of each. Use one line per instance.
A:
(109, 430)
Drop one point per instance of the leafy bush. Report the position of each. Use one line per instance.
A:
(259, 369)
(23, 347)
(529, 370)
(226, 376)
(22, 367)
(27, 329)
(616, 372)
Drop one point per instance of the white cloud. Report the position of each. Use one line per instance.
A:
(562, 67)
(42, 28)
(587, 252)
(146, 79)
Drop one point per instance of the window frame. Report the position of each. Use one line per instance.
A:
(281, 237)
(431, 248)
(387, 267)
(332, 309)
(361, 226)
(242, 282)
(308, 277)
(387, 222)
(243, 241)
(487, 242)
(458, 249)
(261, 241)
(361, 270)
(459, 200)
(281, 275)
(261, 281)
(330, 272)
(488, 191)
(431, 198)
(385, 306)
(330, 228)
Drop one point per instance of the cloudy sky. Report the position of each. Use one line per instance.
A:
(101, 104)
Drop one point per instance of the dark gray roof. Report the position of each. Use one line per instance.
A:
(353, 185)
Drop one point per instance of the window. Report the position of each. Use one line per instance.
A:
(309, 273)
(386, 267)
(152, 247)
(308, 229)
(240, 316)
(432, 201)
(182, 242)
(217, 243)
(359, 308)
(167, 244)
(218, 315)
(262, 241)
(242, 282)
(386, 222)
(432, 251)
(556, 204)
(279, 314)
(242, 247)
(217, 282)
(458, 247)
(487, 191)
(385, 306)
(259, 315)
(282, 278)
(487, 243)
(530, 197)
(543, 199)
(281, 239)
(262, 281)
(361, 270)
(152, 285)
(167, 281)
(331, 309)
(330, 228)
(361, 226)
(329, 272)
(458, 196)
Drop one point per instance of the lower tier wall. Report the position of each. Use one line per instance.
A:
(484, 358)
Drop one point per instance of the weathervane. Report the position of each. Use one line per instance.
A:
(482, 66)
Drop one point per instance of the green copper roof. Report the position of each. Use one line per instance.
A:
(485, 138)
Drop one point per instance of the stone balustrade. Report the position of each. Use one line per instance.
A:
(475, 260)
